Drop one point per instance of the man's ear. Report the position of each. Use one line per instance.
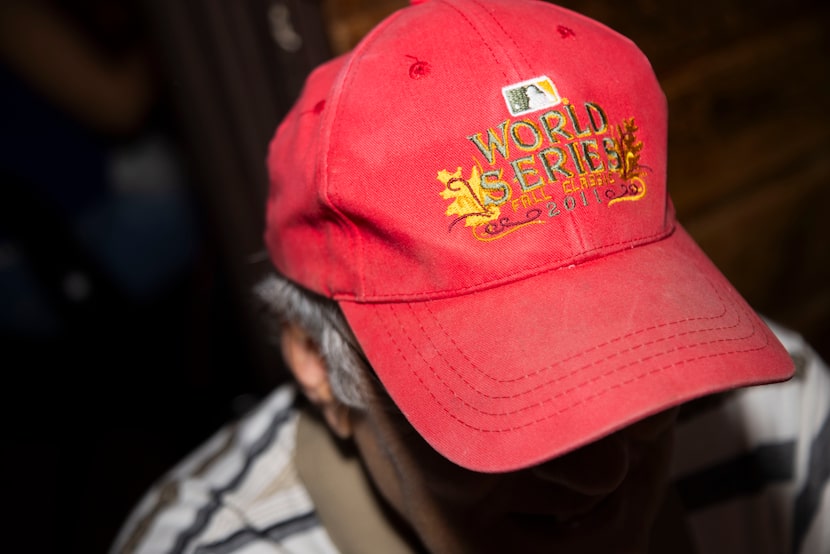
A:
(302, 355)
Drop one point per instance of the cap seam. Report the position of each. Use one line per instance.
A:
(584, 383)
(581, 368)
(504, 31)
(338, 90)
(605, 344)
(604, 391)
(481, 37)
(526, 274)
(574, 371)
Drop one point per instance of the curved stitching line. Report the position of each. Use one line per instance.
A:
(608, 342)
(612, 387)
(577, 370)
(581, 401)
(592, 363)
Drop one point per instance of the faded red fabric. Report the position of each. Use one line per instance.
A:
(481, 185)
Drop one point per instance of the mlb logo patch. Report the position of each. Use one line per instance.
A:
(531, 95)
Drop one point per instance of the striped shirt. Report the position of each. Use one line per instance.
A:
(751, 468)
(239, 492)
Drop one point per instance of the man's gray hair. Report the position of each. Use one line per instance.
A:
(323, 321)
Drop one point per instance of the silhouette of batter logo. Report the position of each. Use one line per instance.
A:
(531, 95)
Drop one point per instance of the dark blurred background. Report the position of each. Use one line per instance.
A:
(132, 162)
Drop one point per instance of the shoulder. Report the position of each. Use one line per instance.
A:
(239, 489)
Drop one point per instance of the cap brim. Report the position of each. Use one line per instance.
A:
(506, 378)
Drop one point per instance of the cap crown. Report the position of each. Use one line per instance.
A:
(465, 144)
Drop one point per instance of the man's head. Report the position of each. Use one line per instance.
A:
(509, 263)
(599, 498)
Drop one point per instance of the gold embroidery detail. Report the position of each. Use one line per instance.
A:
(485, 237)
(628, 148)
(467, 198)
(638, 189)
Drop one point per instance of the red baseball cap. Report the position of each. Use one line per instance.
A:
(481, 186)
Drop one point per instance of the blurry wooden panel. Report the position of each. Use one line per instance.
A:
(745, 113)
(673, 33)
(771, 244)
(348, 21)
